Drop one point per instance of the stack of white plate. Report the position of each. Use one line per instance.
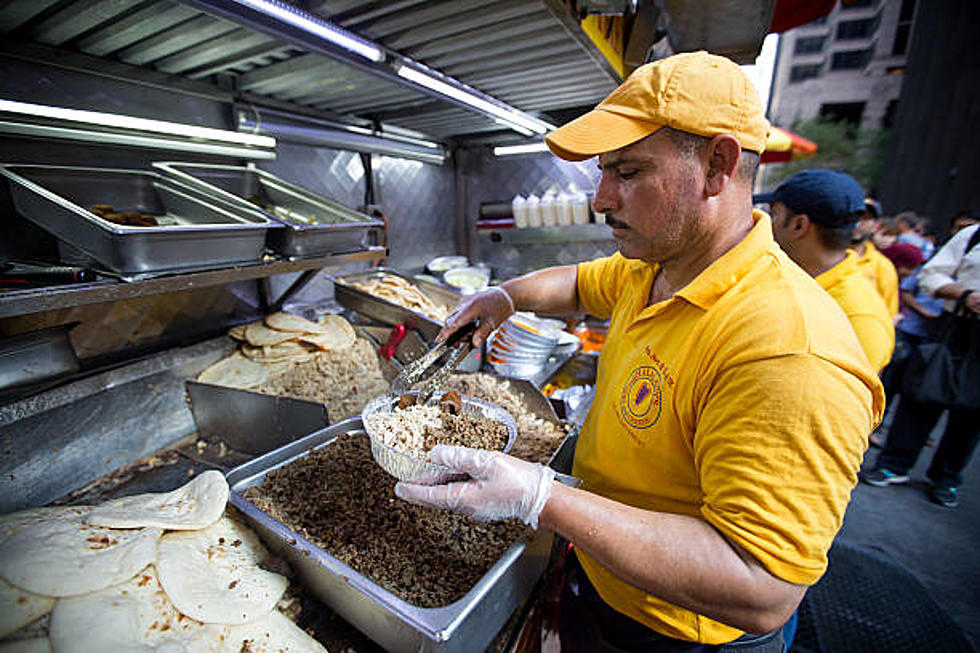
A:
(522, 345)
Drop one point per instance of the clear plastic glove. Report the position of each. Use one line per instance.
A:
(500, 486)
(490, 307)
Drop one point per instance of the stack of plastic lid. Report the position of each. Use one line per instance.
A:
(522, 345)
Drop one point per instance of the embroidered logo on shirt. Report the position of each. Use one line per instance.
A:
(640, 401)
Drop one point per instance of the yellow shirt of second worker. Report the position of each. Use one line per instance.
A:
(882, 274)
(864, 308)
(744, 400)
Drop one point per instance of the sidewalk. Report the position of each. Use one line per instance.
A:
(940, 546)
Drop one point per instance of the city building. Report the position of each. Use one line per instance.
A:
(848, 65)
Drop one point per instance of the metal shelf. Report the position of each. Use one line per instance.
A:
(37, 300)
(574, 233)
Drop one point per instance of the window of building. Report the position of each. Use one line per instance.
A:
(809, 45)
(850, 60)
(800, 73)
(817, 22)
(903, 28)
(856, 29)
(857, 4)
(847, 112)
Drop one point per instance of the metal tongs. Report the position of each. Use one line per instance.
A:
(428, 373)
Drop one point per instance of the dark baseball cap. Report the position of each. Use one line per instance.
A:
(828, 197)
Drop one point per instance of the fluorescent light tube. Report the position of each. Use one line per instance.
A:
(131, 122)
(504, 150)
(508, 115)
(517, 128)
(318, 27)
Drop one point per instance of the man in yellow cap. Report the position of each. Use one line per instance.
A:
(733, 401)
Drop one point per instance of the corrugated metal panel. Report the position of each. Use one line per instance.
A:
(514, 50)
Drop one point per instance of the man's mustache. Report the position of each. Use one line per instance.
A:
(614, 223)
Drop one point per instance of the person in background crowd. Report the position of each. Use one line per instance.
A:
(952, 274)
(875, 267)
(918, 311)
(910, 229)
(708, 504)
(963, 219)
(885, 236)
(814, 215)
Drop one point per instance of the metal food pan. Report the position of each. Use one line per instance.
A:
(387, 312)
(314, 225)
(469, 624)
(36, 356)
(195, 233)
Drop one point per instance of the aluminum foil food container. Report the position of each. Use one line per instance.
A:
(407, 468)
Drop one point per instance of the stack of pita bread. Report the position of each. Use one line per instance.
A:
(400, 291)
(275, 341)
(153, 572)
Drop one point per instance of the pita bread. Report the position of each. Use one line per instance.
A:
(38, 645)
(338, 334)
(19, 608)
(133, 616)
(283, 352)
(64, 557)
(259, 335)
(290, 322)
(197, 504)
(213, 575)
(14, 521)
(273, 633)
(238, 331)
(236, 371)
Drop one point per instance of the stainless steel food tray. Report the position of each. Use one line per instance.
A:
(469, 624)
(195, 233)
(387, 312)
(333, 228)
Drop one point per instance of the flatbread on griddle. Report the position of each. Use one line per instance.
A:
(235, 371)
(19, 608)
(290, 322)
(213, 575)
(133, 616)
(273, 633)
(65, 557)
(259, 335)
(195, 505)
(337, 335)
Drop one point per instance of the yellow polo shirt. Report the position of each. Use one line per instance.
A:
(864, 308)
(882, 275)
(744, 400)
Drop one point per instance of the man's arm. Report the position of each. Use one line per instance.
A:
(681, 559)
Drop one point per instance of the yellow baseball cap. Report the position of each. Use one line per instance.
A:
(695, 92)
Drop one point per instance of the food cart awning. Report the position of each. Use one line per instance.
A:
(783, 145)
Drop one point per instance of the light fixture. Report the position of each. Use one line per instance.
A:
(131, 122)
(510, 117)
(517, 128)
(505, 150)
(318, 27)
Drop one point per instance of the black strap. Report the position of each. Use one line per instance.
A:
(974, 239)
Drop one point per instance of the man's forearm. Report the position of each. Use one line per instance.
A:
(552, 290)
(681, 559)
(950, 291)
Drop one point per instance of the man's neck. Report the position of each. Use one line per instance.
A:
(819, 261)
(860, 246)
(714, 243)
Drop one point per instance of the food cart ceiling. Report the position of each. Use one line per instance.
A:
(516, 51)
(529, 54)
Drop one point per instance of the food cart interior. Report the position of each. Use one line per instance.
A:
(281, 170)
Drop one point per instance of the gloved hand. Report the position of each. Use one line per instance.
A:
(491, 307)
(500, 486)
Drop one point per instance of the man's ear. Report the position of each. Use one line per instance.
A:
(723, 152)
(799, 224)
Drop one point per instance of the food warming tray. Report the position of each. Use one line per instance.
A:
(195, 233)
(388, 312)
(313, 225)
(468, 624)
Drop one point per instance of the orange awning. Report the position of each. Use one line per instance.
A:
(783, 145)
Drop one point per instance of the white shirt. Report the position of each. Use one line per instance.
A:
(950, 265)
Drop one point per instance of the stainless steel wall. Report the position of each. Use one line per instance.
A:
(488, 178)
